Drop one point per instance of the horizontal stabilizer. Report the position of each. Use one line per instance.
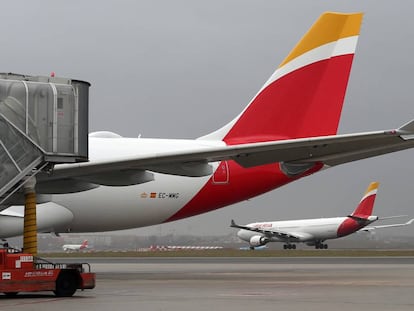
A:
(372, 228)
(392, 217)
(408, 128)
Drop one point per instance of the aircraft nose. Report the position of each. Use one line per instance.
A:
(242, 234)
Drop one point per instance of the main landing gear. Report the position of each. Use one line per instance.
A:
(289, 246)
(321, 246)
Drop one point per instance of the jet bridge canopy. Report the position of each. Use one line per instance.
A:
(52, 112)
(43, 121)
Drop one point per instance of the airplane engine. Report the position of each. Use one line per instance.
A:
(258, 240)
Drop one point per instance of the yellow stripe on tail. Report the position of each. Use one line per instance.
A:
(329, 27)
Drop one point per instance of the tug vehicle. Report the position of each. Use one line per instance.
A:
(23, 272)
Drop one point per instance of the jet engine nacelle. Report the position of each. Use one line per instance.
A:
(258, 240)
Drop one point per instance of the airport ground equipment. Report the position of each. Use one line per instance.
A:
(23, 272)
(43, 122)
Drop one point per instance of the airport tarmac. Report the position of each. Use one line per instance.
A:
(368, 283)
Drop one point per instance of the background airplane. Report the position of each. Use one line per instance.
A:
(256, 248)
(314, 232)
(285, 133)
(75, 247)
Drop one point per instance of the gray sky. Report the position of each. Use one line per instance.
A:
(181, 69)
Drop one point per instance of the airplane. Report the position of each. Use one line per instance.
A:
(314, 232)
(75, 247)
(288, 131)
(256, 248)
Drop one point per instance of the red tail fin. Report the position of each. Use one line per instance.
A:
(84, 244)
(304, 96)
(366, 205)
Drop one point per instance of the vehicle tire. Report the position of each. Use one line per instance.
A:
(66, 284)
(11, 294)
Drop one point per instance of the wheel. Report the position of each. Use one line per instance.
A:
(66, 284)
(11, 294)
(284, 246)
(294, 246)
(325, 246)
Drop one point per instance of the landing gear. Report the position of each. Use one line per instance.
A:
(289, 246)
(11, 294)
(321, 246)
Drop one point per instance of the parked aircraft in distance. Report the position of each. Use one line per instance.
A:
(288, 131)
(75, 247)
(314, 232)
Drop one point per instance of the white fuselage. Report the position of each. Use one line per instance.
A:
(319, 229)
(73, 247)
(131, 206)
(167, 197)
(108, 208)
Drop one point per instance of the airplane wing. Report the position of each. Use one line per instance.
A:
(329, 150)
(269, 233)
(293, 154)
(372, 228)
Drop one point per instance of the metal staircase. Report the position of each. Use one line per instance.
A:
(43, 121)
(19, 158)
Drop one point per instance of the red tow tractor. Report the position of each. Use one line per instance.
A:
(23, 272)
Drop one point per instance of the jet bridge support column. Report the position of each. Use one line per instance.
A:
(30, 226)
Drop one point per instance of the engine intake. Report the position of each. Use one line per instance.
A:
(258, 240)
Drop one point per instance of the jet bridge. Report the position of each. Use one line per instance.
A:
(43, 121)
